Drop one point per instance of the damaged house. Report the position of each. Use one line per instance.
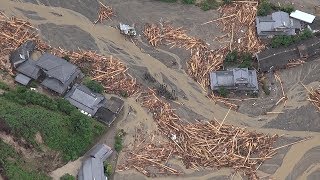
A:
(278, 23)
(278, 58)
(240, 79)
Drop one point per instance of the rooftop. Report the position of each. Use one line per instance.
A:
(83, 98)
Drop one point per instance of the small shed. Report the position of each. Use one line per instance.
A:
(22, 79)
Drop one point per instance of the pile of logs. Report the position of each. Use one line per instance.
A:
(238, 21)
(203, 60)
(203, 144)
(13, 33)
(314, 97)
(294, 63)
(149, 157)
(104, 13)
(109, 71)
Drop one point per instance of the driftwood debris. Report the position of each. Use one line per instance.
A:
(204, 144)
(314, 96)
(109, 71)
(104, 13)
(13, 33)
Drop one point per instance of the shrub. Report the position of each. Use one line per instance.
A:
(264, 8)
(265, 88)
(67, 177)
(227, 1)
(4, 86)
(188, 1)
(94, 86)
(108, 170)
(65, 106)
(223, 92)
(209, 4)
(124, 94)
(283, 40)
(118, 140)
(231, 58)
(246, 61)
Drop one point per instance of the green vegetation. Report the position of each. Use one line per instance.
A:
(118, 140)
(67, 177)
(279, 41)
(33, 84)
(246, 60)
(223, 92)
(93, 85)
(62, 126)
(265, 87)
(265, 8)
(227, 1)
(4, 86)
(124, 94)
(236, 59)
(209, 4)
(108, 170)
(11, 163)
(188, 1)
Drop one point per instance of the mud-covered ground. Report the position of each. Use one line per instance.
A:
(69, 24)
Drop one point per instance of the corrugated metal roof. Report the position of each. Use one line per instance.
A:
(305, 17)
(22, 79)
(115, 104)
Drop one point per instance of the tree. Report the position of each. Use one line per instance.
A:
(223, 92)
(94, 86)
(67, 177)
(264, 8)
(108, 170)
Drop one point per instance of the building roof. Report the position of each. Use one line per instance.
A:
(22, 79)
(56, 67)
(92, 168)
(279, 57)
(57, 86)
(236, 79)
(83, 98)
(30, 69)
(278, 23)
(105, 116)
(302, 16)
(22, 53)
(115, 104)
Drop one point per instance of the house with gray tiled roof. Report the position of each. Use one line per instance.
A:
(60, 74)
(21, 54)
(278, 23)
(240, 79)
(84, 99)
(92, 167)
